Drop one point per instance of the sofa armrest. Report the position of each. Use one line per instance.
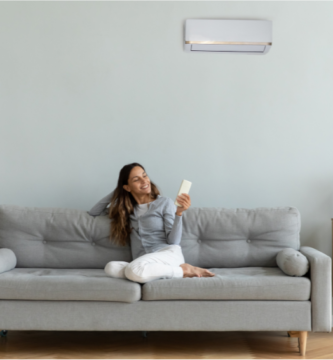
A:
(321, 288)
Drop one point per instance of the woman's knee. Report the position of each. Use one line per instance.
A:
(135, 272)
(116, 269)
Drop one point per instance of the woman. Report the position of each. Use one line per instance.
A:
(154, 224)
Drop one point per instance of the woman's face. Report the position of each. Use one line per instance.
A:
(138, 181)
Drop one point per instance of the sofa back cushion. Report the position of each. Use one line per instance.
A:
(232, 238)
(211, 237)
(58, 238)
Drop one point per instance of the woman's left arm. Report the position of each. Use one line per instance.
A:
(173, 219)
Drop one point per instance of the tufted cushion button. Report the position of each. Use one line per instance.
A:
(44, 241)
(248, 240)
(199, 241)
(93, 243)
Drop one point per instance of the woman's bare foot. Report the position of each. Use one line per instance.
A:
(192, 271)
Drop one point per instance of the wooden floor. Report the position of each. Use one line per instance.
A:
(161, 345)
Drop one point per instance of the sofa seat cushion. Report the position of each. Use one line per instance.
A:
(66, 284)
(247, 283)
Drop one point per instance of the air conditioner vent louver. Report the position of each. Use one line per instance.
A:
(229, 48)
(228, 36)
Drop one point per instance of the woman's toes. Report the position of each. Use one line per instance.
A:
(208, 273)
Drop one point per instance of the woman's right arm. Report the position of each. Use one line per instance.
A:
(101, 205)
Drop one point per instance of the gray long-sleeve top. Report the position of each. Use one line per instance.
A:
(159, 227)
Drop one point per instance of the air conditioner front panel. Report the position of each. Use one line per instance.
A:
(234, 36)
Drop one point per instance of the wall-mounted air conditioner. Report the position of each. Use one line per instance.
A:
(228, 36)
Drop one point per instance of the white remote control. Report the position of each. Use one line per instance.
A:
(184, 189)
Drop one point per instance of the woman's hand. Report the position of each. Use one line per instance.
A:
(185, 201)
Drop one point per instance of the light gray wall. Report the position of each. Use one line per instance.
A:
(89, 87)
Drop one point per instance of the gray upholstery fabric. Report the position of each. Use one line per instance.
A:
(167, 315)
(66, 284)
(7, 260)
(321, 288)
(292, 262)
(251, 283)
(211, 237)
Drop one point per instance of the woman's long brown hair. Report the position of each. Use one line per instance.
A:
(122, 206)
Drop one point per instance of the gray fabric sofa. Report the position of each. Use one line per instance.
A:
(59, 281)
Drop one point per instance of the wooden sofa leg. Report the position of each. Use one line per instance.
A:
(302, 339)
(302, 342)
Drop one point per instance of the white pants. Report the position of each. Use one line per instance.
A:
(161, 264)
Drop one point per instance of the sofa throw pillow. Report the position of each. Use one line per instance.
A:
(292, 262)
(8, 260)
